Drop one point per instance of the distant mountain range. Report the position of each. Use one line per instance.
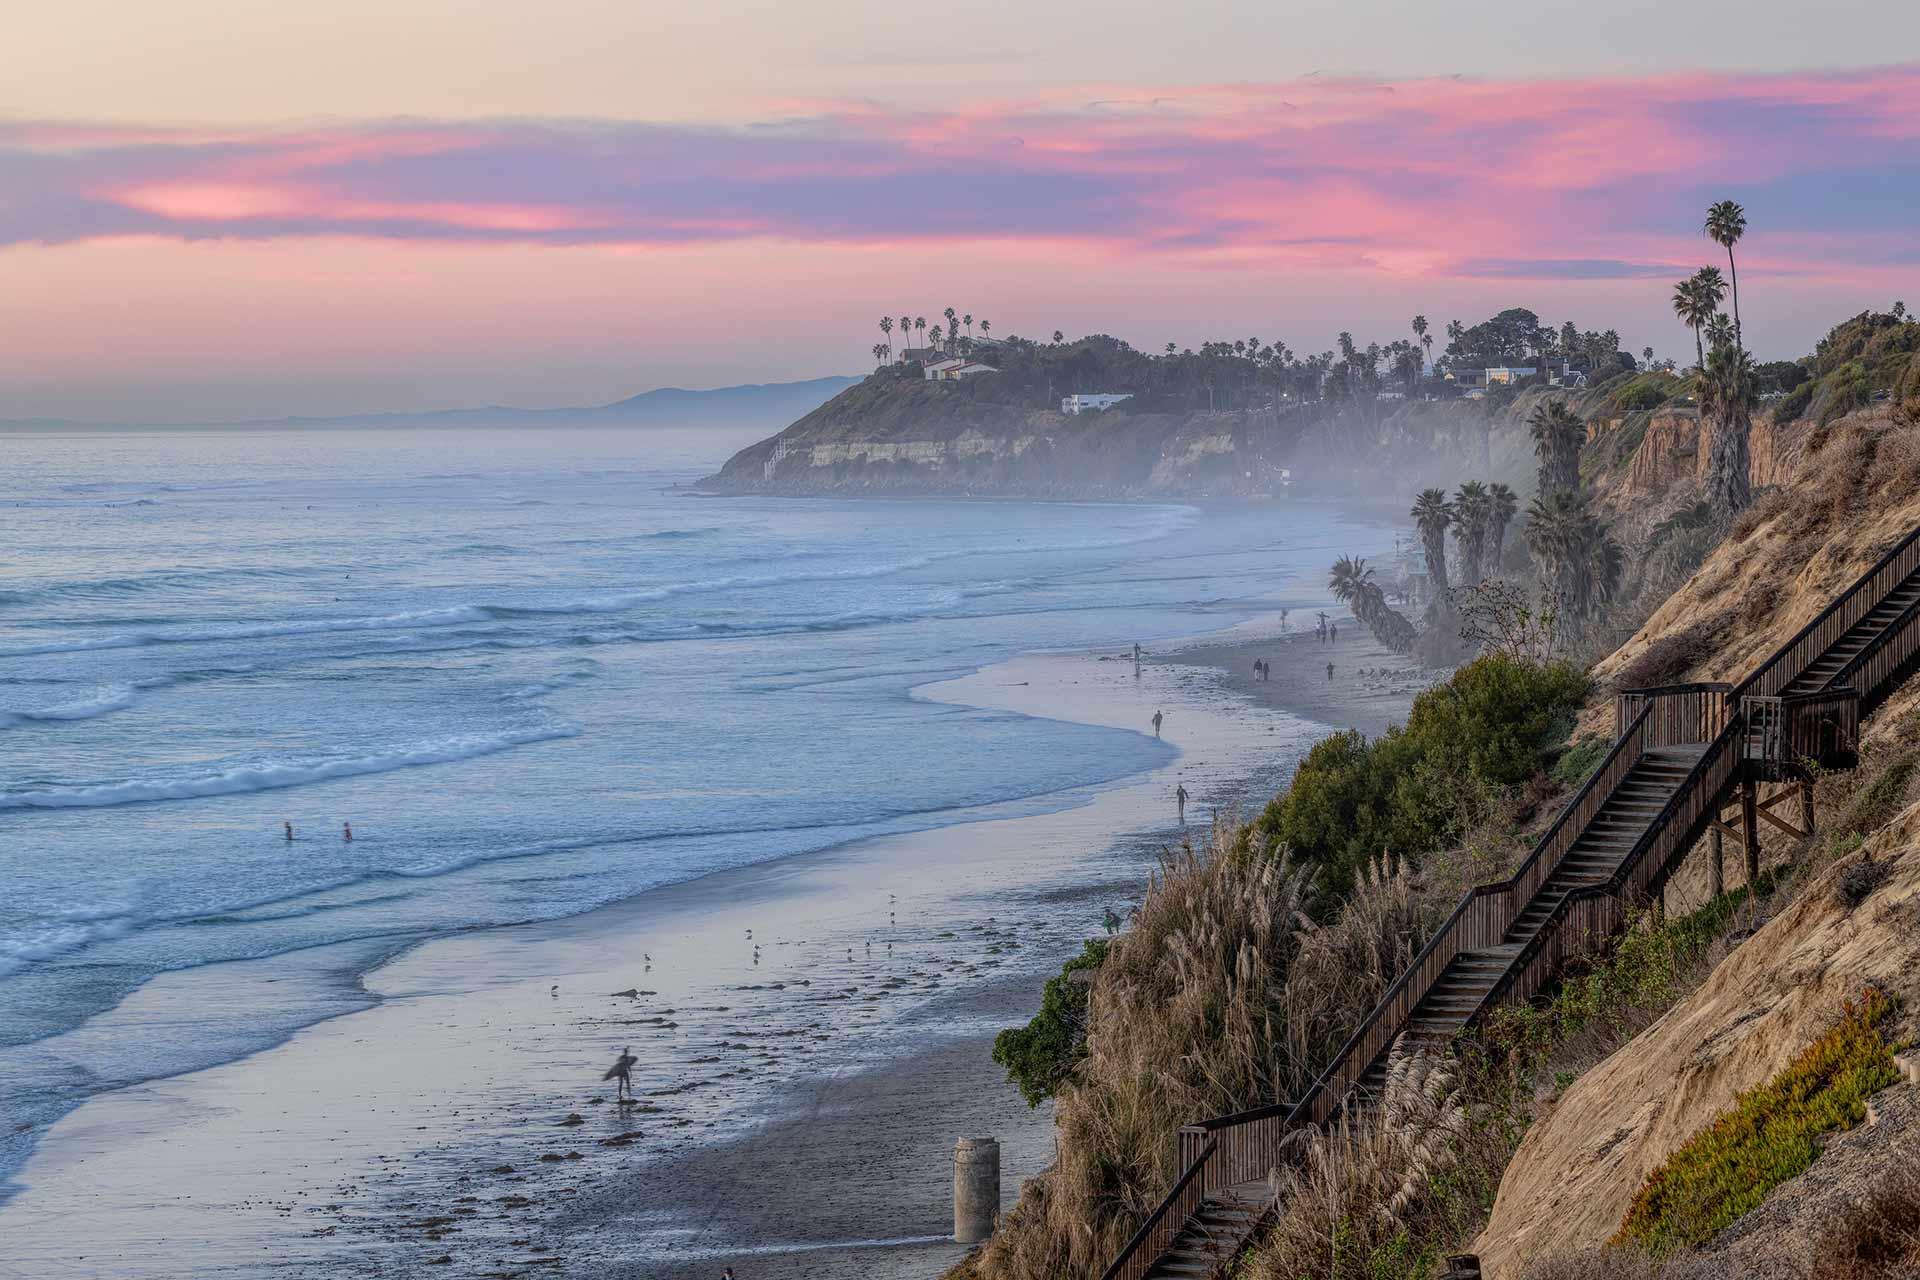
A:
(767, 406)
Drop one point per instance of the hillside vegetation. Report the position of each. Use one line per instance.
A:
(1257, 952)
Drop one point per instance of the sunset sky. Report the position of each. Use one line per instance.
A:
(214, 210)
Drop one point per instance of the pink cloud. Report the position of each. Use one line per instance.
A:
(1577, 178)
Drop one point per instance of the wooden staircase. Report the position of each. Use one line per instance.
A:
(1215, 1235)
(1830, 667)
(1680, 753)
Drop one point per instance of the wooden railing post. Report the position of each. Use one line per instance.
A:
(1749, 822)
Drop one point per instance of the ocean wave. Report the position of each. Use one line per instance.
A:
(112, 698)
(45, 943)
(269, 777)
(256, 631)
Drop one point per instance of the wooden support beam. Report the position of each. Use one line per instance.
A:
(1751, 827)
(1781, 823)
(1806, 804)
(1718, 827)
(1719, 863)
(1779, 797)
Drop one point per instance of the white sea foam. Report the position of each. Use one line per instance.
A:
(269, 777)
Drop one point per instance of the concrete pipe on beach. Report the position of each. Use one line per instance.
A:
(976, 1188)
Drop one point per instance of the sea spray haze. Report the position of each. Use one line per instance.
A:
(535, 675)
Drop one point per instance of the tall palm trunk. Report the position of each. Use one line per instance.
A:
(1733, 278)
(1436, 549)
(1699, 350)
(1729, 461)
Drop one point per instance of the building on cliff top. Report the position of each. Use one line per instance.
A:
(953, 369)
(1096, 401)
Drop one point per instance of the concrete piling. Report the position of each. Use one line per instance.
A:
(976, 1188)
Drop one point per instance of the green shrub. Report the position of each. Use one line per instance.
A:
(1040, 1055)
(1794, 403)
(1411, 791)
(1767, 1137)
(1579, 760)
(1638, 396)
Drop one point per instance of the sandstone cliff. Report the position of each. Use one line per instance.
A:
(1578, 1168)
(1845, 493)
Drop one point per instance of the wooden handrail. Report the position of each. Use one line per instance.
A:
(1780, 656)
(1523, 965)
(1619, 760)
(1125, 1267)
(1901, 636)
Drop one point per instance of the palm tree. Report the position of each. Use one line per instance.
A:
(1580, 563)
(1726, 399)
(1349, 579)
(1726, 223)
(953, 321)
(1471, 511)
(933, 336)
(906, 330)
(967, 320)
(1558, 436)
(1646, 356)
(880, 353)
(886, 327)
(920, 329)
(1431, 514)
(1352, 583)
(1502, 503)
(1720, 331)
(1695, 301)
(986, 328)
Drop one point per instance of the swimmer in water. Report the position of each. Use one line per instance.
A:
(346, 832)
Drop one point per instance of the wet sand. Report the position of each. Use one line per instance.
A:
(1371, 686)
(800, 1089)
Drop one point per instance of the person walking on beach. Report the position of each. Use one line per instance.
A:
(1110, 922)
(1333, 634)
(1329, 673)
(621, 1072)
(1180, 799)
(1136, 659)
(289, 829)
(1156, 724)
(346, 832)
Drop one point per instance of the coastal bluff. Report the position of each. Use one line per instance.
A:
(895, 436)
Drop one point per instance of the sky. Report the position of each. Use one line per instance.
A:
(220, 209)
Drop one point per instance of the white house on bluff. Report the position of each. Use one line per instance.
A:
(1082, 404)
(954, 369)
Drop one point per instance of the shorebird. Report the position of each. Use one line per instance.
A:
(622, 1071)
(555, 990)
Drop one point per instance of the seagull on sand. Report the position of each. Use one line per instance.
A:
(622, 1071)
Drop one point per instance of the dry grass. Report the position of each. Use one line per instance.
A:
(1668, 659)
(1878, 1236)
(1383, 1195)
(1223, 996)
(1624, 1264)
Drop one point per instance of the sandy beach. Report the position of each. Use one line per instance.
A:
(812, 1035)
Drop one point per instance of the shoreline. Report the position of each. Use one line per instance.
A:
(449, 994)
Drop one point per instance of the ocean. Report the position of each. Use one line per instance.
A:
(534, 671)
